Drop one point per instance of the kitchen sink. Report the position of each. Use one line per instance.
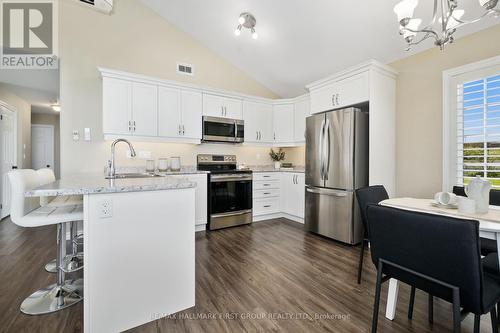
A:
(135, 175)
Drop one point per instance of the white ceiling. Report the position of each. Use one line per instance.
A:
(301, 41)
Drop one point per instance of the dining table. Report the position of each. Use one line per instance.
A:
(489, 227)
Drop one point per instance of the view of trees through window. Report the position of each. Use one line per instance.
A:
(479, 130)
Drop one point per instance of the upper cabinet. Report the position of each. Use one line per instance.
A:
(341, 93)
(221, 106)
(258, 117)
(302, 110)
(129, 108)
(283, 121)
(179, 113)
(374, 85)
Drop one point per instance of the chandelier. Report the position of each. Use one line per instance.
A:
(445, 13)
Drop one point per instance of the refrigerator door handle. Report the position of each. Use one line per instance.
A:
(326, 192)
(327, 148)
(320, 150)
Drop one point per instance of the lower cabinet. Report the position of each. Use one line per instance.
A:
(279, 193)
(201, 198)
(292, 194)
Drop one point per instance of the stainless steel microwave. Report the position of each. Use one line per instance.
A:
(217, 129)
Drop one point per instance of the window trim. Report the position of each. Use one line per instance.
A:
(449, 178)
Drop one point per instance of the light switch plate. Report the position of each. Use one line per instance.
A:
(86, 134)
(76, 135)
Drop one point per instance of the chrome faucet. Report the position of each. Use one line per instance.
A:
(111, 163)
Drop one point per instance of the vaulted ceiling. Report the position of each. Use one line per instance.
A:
(301, 40)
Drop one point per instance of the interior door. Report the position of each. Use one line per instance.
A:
(339, 149)
(7, 158)
(314, 141)
(191, 111)
(42, 147)
(169, 115)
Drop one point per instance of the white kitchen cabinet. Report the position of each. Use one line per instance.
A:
(169, 115)
(221, 106)
(292, 197)
(338, 94)
(191, 113)
(266, 193)
(301, 112)
(144, 109)
(200, 198)
(283, 121)
(258, 117)
(179, 113)
(129, 108)
(117, 106)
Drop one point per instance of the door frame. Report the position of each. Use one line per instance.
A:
(4, 108)
(52, 128)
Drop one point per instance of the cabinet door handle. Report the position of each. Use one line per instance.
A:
(260, 135)
(133, 126)
(333, 99)
(129, 126)
(179, 129)
(256, 135)
(274, 136)
(183, 130)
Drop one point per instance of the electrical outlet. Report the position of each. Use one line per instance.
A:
(86, 134)
(105, 209)
(76, 135)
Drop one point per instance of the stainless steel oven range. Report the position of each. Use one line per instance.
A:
(229, 191)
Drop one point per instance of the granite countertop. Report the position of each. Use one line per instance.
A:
(96, 183)
(270, 168)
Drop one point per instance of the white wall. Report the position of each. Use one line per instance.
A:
(134, 39)
(419, 116)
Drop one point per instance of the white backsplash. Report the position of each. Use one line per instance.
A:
(249, 155)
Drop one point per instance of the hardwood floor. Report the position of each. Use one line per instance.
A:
(269, 276)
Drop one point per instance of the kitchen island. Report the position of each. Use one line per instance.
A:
(138, 242)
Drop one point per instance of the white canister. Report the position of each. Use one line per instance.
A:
(175, 163)
(466, 205)
(163, 164)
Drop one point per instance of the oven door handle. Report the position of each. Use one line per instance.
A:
(240, 212)
(215, 179)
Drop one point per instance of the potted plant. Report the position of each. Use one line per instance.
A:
(277, 157)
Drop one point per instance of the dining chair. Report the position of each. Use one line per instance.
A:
(437, 254)
(487, 245)
(366, 196)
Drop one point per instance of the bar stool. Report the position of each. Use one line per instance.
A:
(27, 212)
(75, 262)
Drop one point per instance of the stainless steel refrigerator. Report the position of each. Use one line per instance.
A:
(336, 165)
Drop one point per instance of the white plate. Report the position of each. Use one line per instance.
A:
(437, 204)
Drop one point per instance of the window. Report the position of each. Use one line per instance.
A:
(471, 123)
(478, 130)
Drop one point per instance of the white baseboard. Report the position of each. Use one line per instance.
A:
(260, 218)
(200, 227)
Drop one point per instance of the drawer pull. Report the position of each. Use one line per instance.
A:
(267, 193)
(267, 184)
(266, 176)
(267, 206)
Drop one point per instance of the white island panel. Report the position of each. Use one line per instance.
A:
(139, 262)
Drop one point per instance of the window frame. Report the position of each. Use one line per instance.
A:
(449, 148)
